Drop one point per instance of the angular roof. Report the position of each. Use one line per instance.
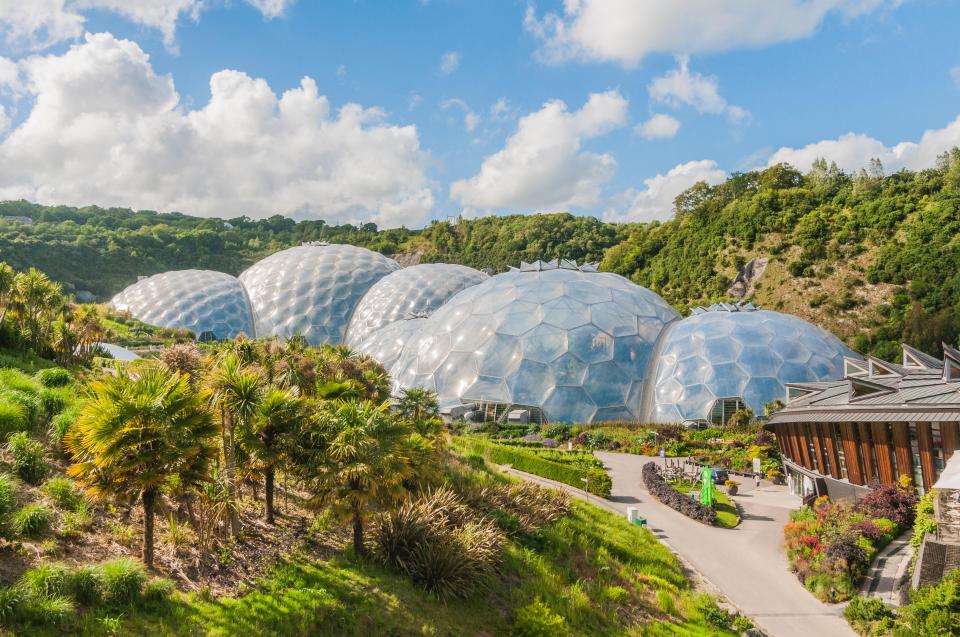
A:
(922, 388)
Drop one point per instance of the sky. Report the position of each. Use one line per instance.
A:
(404, 111)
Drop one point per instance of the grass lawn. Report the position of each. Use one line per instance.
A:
(727, 516)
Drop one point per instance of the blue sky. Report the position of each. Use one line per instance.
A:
(452, 95)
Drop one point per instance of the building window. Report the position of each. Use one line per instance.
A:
(937, 441)
(841, 457)
(891, 449)
(723, 408)
(814, 460)
(915, 454)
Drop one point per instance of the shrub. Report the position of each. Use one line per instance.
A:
(536, 619)
(52, 401)
(86, 585)
(532, 507)
(892, 501)
(46, 580)
(661, 490)
(8, 495)
(49, 610)
(28, 457)
(53, 377)
(62, 491)
(440, 543)
(33, 520)
(924, 522)
(29, 403)
(60, 425)
(123, 581)
(158, 589)
(13, 418)
(888, 528)
(531, 462)
(16, 380)
(866, 609)
(11, 604)
(74, 523)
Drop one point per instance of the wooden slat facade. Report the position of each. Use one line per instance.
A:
(950, 437)
(848, 438)
(866, 451)
(901, 446)
(830, 448)
(881, 441)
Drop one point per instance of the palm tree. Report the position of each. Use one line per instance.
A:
(353, 455)
(420, 407)
(277, 415)
(6, 287)
(36, 299)
(136, 433)
(237, 391)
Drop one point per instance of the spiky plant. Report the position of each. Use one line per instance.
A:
(136, 433)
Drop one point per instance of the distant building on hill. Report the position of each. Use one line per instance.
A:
(879, 422)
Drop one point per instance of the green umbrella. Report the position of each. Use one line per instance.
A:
(707, 488)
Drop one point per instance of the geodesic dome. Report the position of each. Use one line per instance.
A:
(198, 300)
(417, 290)
(729, 352)
(312, 289)
(385, 344)
(569, 341)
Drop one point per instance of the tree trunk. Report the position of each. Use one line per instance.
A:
(268, 492)
(358, 546)
(231, 471)
(149, 502)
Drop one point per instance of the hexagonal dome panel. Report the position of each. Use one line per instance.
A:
(312, 289)
(417, 290)
(198, 300)
(385, 344)
(570, 342)
(735, 352)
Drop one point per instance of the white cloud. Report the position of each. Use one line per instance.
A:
(852, 151)
(449, 62)
(626, 31)
(106, 129)
(415, 100)
(37, 24)
(501, 109)
(655, 201)
(470, 119)
(542, 166)
(9, 74)
(679, 87)
(659, 126)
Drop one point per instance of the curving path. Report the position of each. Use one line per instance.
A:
(747, 563)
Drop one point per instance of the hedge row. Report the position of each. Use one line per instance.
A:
(661, 490)
(523, 459)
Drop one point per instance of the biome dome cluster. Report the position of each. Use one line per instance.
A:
(563, 341)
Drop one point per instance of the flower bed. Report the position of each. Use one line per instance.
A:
(831, 545)
(662, 491)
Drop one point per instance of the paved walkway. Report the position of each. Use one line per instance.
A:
(888, 573)
(747, 563)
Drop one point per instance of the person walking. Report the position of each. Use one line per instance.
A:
(757, 477)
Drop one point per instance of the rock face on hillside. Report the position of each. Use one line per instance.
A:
(406, 259)
(743, 285)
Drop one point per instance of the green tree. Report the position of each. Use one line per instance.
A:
(278, 413)
(354, 457)
(237, 391)
(138, 432)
